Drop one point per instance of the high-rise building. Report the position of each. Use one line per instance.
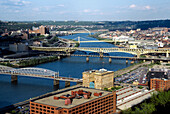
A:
(98, 79)
(76, 100)
(42, 29)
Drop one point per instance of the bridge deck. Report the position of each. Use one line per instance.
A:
(36, 72)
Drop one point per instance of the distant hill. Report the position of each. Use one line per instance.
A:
(111, 25)
(13, 26)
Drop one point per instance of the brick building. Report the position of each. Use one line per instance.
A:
(75, 100)
(42, 30)
(159, 84)
(98, 79)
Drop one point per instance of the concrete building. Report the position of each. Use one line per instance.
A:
(42, 30)
(160, 84)
(13, 47)
(98, 79)
(75, 100)
(20, 47)
(128, 97)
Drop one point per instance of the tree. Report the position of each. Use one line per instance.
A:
(148, 108)
(106, 89)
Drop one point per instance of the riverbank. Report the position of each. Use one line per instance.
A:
(106, 40)
(130, 68)
(30, 62)
(23, 104)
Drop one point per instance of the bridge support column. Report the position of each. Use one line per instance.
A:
(167, 54)
(101, 55)
(132, 62)
(126, 61)
(152, 61)
(14, 78)
(110, 60)
(79, 83)
(87, 59)
(56, 83)
(59, 57)
(161, 61)
(67, 83)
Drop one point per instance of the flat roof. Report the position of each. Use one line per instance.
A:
(61, 102)
(127, 99)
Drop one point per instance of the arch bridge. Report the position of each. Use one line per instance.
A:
(137, 52)
(81, 28)
(36, 72)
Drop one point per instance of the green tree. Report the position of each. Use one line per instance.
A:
(106, 89)
(148, 108)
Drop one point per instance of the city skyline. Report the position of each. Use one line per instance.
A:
(95, 10)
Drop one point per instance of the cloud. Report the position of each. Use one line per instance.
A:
(15, 3)
(132, 6)
(36, 9)
(60, 5)
(86, 10)
(90, 11)
(147, 7)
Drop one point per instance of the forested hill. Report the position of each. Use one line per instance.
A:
(111, 25)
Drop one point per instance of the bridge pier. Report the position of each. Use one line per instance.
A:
(152, 61)
(101, 55)
(132, 62)
(56, 83)
(59, 57)
(14, 78)
(126, 61)
(167, 54)
(161, 61)
(67, 83)
(87, 59)
(110, 60)
(79, 83)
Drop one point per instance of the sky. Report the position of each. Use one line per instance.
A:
(84, 10)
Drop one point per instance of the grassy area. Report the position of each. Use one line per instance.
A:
(113, 88)
(7, 64)
(34, 62)
(41, 36)
(77, 44)
(31, 62)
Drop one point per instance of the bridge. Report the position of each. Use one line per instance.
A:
(116, 57)
(101, 51)
(80, 30)
(37, 72)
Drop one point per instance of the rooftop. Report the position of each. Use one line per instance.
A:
(128, 97)
(66, 92)
(99, 72)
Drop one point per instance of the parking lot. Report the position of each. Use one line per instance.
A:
(137, 75)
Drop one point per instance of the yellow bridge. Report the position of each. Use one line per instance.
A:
(136, 52)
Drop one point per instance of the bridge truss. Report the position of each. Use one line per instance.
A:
(137, 52)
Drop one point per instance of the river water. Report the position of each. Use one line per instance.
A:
(67, 67)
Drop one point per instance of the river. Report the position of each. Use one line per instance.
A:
(67, 67)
